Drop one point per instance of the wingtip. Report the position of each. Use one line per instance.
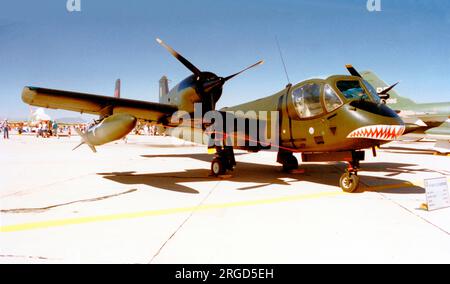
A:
(158, 40)
(28, 95)
(348, 66)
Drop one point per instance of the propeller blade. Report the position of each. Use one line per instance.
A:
(388, 89)
(353, 71)
(234, 75)
(180, 58)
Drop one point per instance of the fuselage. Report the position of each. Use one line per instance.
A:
(324, 115)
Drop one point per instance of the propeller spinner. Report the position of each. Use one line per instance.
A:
(209, 85)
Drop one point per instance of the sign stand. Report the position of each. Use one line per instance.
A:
(438, 196)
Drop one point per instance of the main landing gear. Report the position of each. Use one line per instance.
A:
(288, 160)
(224, 161)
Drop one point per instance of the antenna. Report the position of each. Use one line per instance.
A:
(284, 64)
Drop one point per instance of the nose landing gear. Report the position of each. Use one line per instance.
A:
(349, 181)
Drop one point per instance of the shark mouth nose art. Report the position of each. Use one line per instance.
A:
(378, 132)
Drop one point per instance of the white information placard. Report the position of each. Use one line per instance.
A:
(437, 193)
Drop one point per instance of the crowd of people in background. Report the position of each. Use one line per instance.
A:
(47, 129)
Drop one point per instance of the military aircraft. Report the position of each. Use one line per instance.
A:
(428, 120)
(326, 120)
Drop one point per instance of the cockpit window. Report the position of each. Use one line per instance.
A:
(331, 99)
(352, 90)
(307, 100)
(372, 91)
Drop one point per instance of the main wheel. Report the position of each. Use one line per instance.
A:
(349, 182)
(217, 167)
(291, 163)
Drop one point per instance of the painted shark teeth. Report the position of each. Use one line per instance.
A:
(378, 132)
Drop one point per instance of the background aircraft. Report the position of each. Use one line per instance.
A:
(430, 120)
(325, 120)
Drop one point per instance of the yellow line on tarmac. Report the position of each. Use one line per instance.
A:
(152, 213)
(171, 211)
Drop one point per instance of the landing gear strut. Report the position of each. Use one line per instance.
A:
(224, 161)
(288, 160)
(349, 181)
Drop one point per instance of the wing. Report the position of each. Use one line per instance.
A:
(95, 104)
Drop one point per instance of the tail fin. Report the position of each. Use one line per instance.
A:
(117, 89)
(395, 101)
(163, 89)
(84, 141)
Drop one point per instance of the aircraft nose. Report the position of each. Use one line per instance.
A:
(378, 109)
(376, 122)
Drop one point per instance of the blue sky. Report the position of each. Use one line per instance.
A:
(41, 44)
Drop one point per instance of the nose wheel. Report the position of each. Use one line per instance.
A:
(349, 182)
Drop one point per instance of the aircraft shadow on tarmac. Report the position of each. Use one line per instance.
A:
(266, 175)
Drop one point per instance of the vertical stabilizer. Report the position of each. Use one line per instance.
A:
(117, 89)
(163, 89)
(395, 101)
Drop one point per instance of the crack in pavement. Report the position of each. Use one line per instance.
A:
(41, 187)
(414, 214)
(26, 256)
(43, 209)
(183, 223)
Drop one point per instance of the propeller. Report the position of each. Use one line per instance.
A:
(353, 71)
(180, 58)
(209, 84)
(384, 94)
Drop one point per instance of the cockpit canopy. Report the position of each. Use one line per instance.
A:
(315, 97)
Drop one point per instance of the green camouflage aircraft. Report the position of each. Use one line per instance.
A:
(428, 120)
(331, 119)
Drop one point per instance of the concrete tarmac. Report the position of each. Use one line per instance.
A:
(152, 201)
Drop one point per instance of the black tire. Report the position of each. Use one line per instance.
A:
(217, 167)
(291, 163)
(349, 182)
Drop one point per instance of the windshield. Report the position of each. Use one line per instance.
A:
(352, 90)
(372, 91)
